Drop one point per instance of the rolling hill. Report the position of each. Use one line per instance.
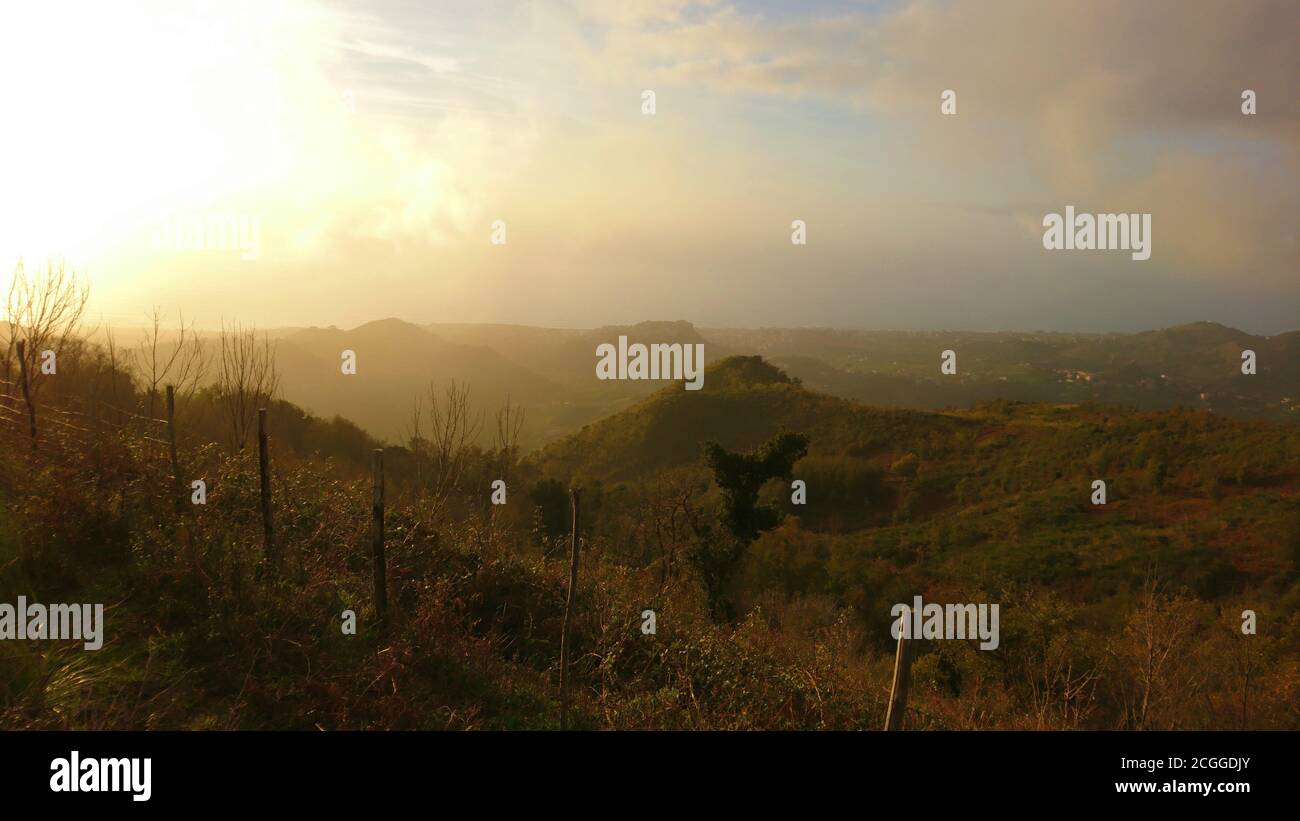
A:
(1213, 502)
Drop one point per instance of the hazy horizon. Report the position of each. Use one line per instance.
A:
(170, 327)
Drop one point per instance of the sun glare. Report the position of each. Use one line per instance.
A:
(181, 110)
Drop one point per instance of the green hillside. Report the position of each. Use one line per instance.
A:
(982, 501)
(744, 401)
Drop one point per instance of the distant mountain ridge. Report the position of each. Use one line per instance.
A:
(397, 362)
(551, 371)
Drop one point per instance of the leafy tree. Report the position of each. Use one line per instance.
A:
(740, 476)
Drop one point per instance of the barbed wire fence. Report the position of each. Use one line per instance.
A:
(78, 423)
(72, 428)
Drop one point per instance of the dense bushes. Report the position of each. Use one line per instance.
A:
(987, 505)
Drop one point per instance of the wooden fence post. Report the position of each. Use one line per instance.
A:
(27, 393)
(264, 466)
(377, 543)
(568, 614)
(902, 673)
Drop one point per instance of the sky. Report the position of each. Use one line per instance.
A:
(344, 162)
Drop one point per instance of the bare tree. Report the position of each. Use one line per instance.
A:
(676, 521)
(1156, 649)
(116, 362)
(510, 421)
(1246, 658)
(505, 453)
(246, 379)
(440, 459)
(501, 463)
(41, 313)
(180, 363)
(418, 445)
(1062, 683)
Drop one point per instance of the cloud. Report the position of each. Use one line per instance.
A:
(466, 112)
(1136, 105)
